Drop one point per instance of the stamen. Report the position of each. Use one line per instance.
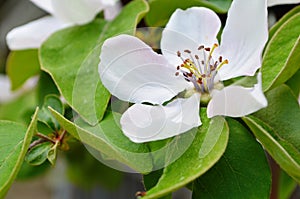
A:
(201, 47)
(222, 64)
(200, 72)
(220, 59)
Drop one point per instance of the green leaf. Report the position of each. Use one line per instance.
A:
(281, 58)
(52, 154)
(207, 148)
(71, 57)
(108, 138)
(293, 83)
(45, 87)
(285, 18)
(19, 109)
(87, 172)
(38, 154)
(45, 116)
(14, 142)
(21, 65)
(286, 186)
(242, 172)
(277, 128)
(161, 10)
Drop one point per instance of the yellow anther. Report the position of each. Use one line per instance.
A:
(222, 64)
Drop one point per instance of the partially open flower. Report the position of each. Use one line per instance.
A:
(63, 13)
(190, 70)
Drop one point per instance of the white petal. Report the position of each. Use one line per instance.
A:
(244, 38)
(188, 30)
(6, 94)
(237, 101)
(77, 11)
(144, 123)
(44, 4)
(278, 2)
(133, 72)
(33, 34)
(109, 2)
(111, 11)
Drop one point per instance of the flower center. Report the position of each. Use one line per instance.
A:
(200, 71)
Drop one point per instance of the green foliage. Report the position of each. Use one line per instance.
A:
(286, 186)
(38, 154)
(108, 138)
(281, 58)
(14, 142)
(21, 65)
(87, 172)
(71, 57)
(208, 146)
(45, 87)
(44, 114)
(161, 10)
(277, 128)
(19, 109)
(242, 172)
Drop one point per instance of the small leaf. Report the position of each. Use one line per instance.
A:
(71, 57)
(21, 65)
(52, 154)
(14, 142)
(277, 127)
(161, 10)
(281, 58)
(208, 146)
(242, 172)
(45, 116)
(38, 154)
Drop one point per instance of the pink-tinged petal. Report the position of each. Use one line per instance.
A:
(77, 11)
(111, 11)
(188, 29)
(33, 34)
(44, 4)
(244, 38)
(278, 2)
(237, 101)
(145, 123)
(133, 72)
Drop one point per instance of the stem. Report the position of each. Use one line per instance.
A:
(36, 142)
(40, 135)
(62, 135)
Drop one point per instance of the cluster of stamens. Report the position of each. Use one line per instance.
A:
(201, 72)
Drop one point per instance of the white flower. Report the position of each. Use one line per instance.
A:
(64, 13)
(278, 2)
(191, 61)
